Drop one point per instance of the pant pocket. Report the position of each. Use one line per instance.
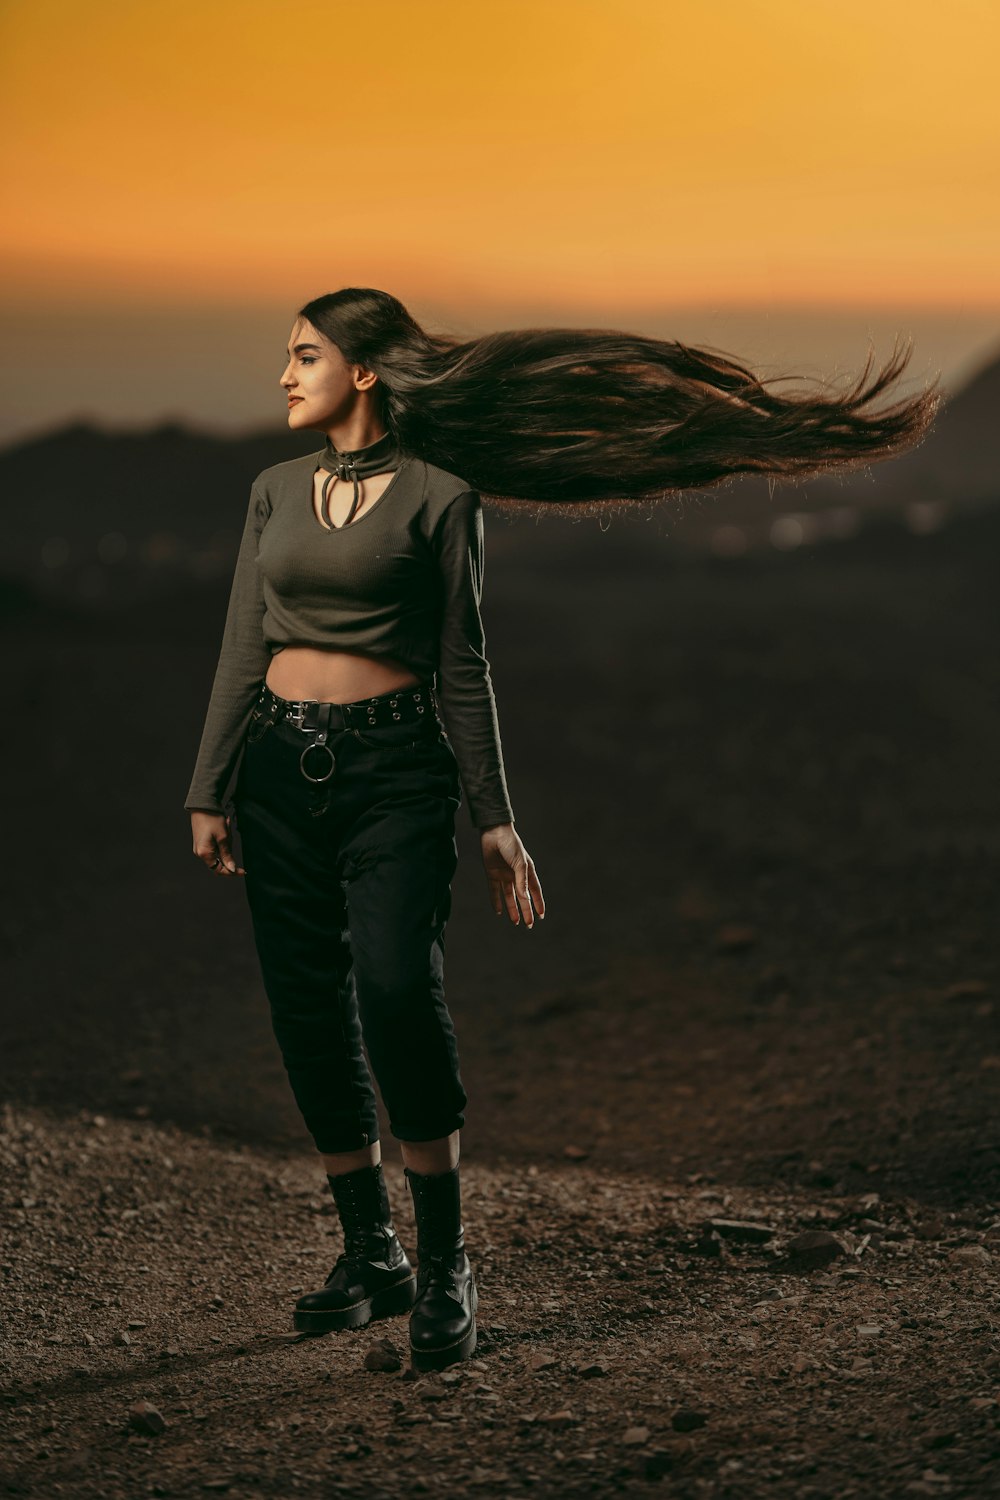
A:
(260, 723)
(397, 737)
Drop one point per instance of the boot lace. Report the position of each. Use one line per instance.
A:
(366, 1238)
(438, 1268)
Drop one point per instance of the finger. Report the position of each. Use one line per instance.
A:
(523, 895)
(228, 865)
(536, 890)
(498, 879)
(510, 899)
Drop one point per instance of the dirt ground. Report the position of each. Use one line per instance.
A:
(731, 1168)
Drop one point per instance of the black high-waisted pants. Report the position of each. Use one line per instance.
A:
(349, 886)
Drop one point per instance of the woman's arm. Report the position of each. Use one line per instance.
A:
(464, 688)
(243, 662)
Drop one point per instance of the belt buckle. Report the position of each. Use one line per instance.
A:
(298, 714)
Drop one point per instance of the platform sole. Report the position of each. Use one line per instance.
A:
(448, 1354)
(439, 1359)
(385, 1303)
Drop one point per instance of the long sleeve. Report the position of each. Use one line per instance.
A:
(243, 662)
(463, 688)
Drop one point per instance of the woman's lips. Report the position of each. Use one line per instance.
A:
(293, 399)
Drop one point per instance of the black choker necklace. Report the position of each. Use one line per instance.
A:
(379, 457)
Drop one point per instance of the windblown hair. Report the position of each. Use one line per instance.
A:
(587, 416)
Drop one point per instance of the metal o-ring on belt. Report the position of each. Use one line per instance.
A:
(319, 743)
(295, 713)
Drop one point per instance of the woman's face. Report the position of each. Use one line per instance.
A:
(322, 387)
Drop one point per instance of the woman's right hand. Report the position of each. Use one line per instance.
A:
(210, 833)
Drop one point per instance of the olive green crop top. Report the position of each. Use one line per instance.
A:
(404, 580)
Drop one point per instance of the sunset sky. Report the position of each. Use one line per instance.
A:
(783, 178)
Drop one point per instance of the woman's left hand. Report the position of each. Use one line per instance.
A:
(510, 872)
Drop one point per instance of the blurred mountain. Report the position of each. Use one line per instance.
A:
(106, 519)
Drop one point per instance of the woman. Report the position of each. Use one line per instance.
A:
(355, 615)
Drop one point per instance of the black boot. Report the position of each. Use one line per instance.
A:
(443, 1320)
(372, 1277)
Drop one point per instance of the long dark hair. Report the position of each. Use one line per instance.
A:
(589, 416)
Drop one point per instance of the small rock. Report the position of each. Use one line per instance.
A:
(591, 1372)
(814, 1248)
(972, 1255)
(564, 1418)
(686, 1419)
(575, 1153)
(122, 1338)
(636, 1436)
(144, 1417)
(741, 1229)
(542, 1361)
(383, 1355)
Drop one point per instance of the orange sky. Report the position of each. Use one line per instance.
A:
(630, 152)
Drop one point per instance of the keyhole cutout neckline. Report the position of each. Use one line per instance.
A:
(380, 457)
(324, 505)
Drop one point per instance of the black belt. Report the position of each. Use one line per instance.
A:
(406, 705)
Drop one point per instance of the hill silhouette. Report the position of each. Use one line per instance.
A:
(103, 520)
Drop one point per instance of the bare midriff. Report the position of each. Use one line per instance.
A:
(325, 673)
